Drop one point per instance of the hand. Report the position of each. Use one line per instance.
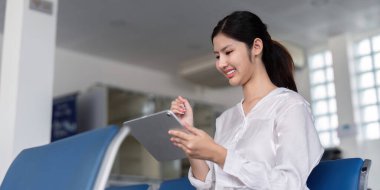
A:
(197, 144)
(182, 108)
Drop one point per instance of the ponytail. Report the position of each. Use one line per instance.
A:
(279, 65)
(245, 26)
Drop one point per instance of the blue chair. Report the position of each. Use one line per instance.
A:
(176, 184)
(131, 187)
(347, 174)
(80, 162)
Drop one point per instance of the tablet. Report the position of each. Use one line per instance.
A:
(152, 132)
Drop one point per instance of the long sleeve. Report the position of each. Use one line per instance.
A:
(203, 185)
(209, 183)
(298, 150)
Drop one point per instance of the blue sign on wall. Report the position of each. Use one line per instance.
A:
(64, 122)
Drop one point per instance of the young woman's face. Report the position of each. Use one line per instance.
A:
(233, 59)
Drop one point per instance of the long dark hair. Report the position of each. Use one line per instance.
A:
(245, 27)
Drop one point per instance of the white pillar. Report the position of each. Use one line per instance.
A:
(26, 82)
(339, 46)
(341, 60)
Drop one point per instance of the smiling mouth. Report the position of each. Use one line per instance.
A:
(230, 73)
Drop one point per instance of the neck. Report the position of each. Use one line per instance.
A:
(258, 86)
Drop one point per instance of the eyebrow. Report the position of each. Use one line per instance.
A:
(223, 49)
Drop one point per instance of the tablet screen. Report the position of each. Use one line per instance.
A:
(152, 132)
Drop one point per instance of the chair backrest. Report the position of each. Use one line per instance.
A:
(348, 174)
(176, 184)
(71, 163)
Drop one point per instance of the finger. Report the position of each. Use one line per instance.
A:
(182, 99)
(179, 143)
(179, 134)
(187, 106)
(181, 146)
(176, 140)
(177, 106)
(191, 129)
(179, 100)
(177, 109)
(180, 103)
(177, 103)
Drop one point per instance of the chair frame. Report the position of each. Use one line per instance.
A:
(109, 158)
(363, 181)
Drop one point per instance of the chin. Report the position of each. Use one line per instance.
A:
(234, 82)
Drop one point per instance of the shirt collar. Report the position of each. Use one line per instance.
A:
(271, 93)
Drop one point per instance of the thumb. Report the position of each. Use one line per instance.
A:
(191, 129)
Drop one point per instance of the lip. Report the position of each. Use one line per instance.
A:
(231, 74)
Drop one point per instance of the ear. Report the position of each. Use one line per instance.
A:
(257, 46)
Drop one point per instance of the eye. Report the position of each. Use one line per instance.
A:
(228, 52)
(217, 57)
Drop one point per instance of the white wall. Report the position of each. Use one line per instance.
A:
(77, 72)
(301, 77)
(1, 48)
(351, 146)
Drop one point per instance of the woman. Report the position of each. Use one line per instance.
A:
(266, 141)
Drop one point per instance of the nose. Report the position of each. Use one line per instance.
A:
(222, 63)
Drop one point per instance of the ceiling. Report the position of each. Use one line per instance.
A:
(162, 34)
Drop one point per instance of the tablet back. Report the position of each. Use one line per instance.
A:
(152, 132)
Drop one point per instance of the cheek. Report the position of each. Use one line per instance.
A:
(244, 62)
(217, 66)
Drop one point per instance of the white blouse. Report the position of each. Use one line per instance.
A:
(274, 146)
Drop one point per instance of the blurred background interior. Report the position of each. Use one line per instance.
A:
(116, 60)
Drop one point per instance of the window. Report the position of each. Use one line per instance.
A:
(323, 100)
(367, 76)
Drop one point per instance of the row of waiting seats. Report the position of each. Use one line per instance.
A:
(174, 184)
(84, 162)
